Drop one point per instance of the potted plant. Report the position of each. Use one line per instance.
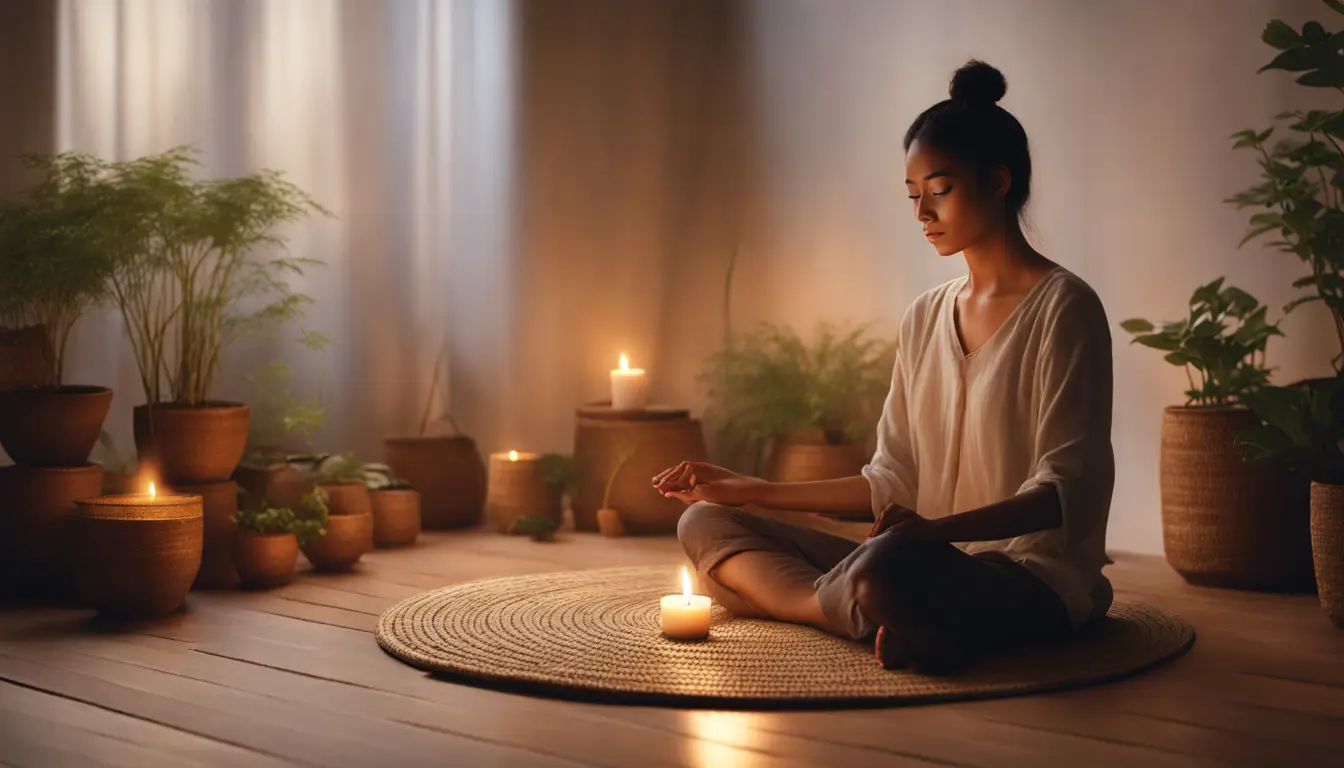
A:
(267, 540)
(1302, 428)
(1299, 200)
(1225, 522)
(396, 507)
(804, 410)
(343, 501)
(281, 423)
(445, 469)
(54, 267)
(202, 267)
(609, 520)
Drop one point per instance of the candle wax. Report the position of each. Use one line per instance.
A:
(685, 617)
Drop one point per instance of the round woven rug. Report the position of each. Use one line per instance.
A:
(595, 635)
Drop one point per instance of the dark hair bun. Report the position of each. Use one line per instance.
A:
(978, 82)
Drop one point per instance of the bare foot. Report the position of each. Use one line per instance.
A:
(890, 650)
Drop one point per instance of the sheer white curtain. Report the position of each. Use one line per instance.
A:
(356, 101)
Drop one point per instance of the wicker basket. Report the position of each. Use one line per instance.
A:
(37, 509)
(447, 471)
(264, 559)
(396, 517)
(348, 499)
(1227, 522)
(1327, 546)
(220, 503)
(347, 538)
(518, 489)
(642, 444)
(799, 460)
(134, 560)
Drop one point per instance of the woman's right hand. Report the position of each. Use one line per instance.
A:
(692, 481)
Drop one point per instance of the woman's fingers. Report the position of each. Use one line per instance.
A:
(663, 476)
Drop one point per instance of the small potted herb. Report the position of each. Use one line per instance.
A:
(348, 534)
(267, 541)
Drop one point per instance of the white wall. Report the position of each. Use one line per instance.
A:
(1127, 105)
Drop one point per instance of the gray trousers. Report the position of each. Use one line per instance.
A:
(712, 533)
(983, 600)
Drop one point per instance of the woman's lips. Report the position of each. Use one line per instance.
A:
(933, 235)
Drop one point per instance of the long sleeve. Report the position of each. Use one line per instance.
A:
(893, 473)
(1073, 402)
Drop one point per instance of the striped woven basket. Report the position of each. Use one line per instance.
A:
(1327, 546)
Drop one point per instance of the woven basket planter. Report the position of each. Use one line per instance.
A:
(37, 510)
(1327, 547)
(192, 444)
(52, 426)
(219, 502)
(264, 559)
(134, 560)
(517, 489)
(803, 458)
(348, 499)
(447, 471)
(347, 538)
(642, 444)
(396, 517)
(1227, 522)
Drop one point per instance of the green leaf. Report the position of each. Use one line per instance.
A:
(1159, 341)
(1256, 232)
(1293, 60)
(1314, 33)
(1280, 35)
(1338, 7)
(1330, 77)
(1136, 325)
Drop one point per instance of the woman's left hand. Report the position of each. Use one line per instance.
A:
(904, 521)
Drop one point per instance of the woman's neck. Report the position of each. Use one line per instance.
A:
(1003, 263)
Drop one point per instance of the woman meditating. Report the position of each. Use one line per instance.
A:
(994, 470)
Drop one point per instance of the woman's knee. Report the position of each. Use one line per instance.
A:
(701, 523)
(892, 561)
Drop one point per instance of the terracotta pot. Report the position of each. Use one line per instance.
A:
(396, 517)
(52, 426)
(1227, 522)
(278, 486)
(348, 499)
(136, 561)
(26, 357)
(347, 538)
(219, 502)
(264, 559)
(193, 445)
(37, 510)
(609, 523)
(115, 483)
(447, 471)
(1327, 547)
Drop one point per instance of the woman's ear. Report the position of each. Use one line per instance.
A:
(1002, 180)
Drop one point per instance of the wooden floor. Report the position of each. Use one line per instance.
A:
(293, 676)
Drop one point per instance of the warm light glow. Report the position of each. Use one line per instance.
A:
(152, 490)
(625, 363)
(686, 584)
(513, 455)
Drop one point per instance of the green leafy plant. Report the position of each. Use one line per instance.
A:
(279, 419)
(199, 266)
(54, 266)
(379, 477)
(770, 382)
(1302, 427)
(1300, 198)
(1222, 340)
(345, 468)
(562, 473)
(536, 527)
(262, 519)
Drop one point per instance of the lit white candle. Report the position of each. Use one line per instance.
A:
(629, 387)
(685, 616)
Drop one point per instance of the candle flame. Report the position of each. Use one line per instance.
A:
(686, 584)
(513, 455)
(625, 362)
(152, 490)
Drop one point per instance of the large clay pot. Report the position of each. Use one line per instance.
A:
(278, 486)
(348, 499)
(448, 472)
(808, 455)
(396, 517)
(219, 502)
(37, 510)
(264, 559)
(192, 444)
(26, 357)
(347, 538)
(52, 426)
(134, 560)
(1227, 522)
(1327, 547)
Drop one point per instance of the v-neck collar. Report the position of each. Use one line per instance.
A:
(951, 310)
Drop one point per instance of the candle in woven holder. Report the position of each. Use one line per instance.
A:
(517, 488)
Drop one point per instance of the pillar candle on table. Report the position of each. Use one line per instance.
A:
(629, 387)
(685, 616)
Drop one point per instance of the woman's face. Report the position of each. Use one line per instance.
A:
(955, 206)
